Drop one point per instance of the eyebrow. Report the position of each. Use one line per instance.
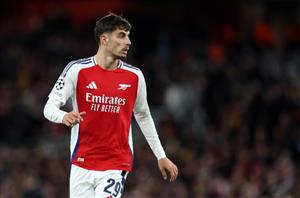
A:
(124, 32)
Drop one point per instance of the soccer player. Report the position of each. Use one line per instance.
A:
(105, 91)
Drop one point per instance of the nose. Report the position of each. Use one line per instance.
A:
(128, 42)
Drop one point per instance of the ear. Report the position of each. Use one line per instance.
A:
(103, 39)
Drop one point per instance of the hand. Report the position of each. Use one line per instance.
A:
(72, 118)
(164, 165)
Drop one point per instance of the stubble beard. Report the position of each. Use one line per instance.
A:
(121, 57)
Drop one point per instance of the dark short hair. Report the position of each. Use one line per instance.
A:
(110, 23)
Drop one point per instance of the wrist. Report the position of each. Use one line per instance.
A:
(161, 158)
(62, 116)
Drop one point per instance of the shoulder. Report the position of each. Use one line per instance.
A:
(76, 65)
(131, 68)
(125, 65)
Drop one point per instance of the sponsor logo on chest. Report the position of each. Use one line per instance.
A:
(103, 102)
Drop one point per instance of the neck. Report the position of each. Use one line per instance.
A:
(106, 61)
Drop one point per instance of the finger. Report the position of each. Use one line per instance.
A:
(173, 174)
(68, 120)
(74, 120)
(71, 121)
(82, 113)
(79, 116)
(69, 124)
(75, 117)
(176, 172)
(72, 116)
(164, 174)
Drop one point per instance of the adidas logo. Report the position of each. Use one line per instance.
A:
(92, 85)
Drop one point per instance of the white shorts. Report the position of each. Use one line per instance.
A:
(96, 184)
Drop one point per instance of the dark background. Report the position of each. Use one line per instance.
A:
(223, 87)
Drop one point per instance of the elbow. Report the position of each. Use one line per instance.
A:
(52, 112)
(142, 116)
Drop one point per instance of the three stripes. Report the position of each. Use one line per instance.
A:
(92, 85)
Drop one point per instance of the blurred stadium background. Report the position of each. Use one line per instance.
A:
(223, 85)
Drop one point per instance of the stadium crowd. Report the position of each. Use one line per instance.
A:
(226, 102)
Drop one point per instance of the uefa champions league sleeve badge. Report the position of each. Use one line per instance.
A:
(60, 83)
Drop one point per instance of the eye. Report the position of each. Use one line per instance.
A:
(121, 35)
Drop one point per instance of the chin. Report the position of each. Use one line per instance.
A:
(122, 57)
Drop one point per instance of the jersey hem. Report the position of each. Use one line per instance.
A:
(102, 168)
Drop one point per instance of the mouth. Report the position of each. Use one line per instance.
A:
(125, 50)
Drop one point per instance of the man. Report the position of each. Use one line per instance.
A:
(104, 92)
